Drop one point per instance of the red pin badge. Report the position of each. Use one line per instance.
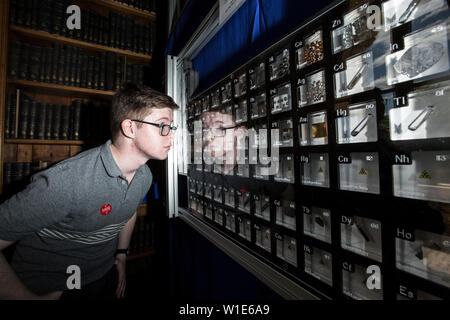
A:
(106, 209)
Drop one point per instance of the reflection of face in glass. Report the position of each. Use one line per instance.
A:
(219, 143)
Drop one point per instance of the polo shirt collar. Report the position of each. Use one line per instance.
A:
(110, 164)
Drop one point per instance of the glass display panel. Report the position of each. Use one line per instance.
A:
(318, 263)
(317, 223)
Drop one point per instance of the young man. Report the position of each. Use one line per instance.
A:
(79, 214)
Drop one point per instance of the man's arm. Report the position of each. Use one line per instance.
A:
(10, 285)
(121, 259)
(126, 232)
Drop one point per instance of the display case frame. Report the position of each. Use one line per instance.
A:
(383, 206)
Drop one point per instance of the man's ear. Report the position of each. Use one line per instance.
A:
(128, 129)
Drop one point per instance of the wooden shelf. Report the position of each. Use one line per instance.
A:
(59, 89)
(35, 34)
(46, 142)
(141, 254)
(122, 8)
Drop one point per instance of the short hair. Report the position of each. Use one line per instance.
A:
(136, 102)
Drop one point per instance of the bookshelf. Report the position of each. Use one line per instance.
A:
(137, 13)
(46, 142)
(40, 35)
(34, 86)
(129, 57)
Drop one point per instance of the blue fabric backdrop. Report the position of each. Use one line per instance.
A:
(254, 27)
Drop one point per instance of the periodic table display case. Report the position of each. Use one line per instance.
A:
(359, 96)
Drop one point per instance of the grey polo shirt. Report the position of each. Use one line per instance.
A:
(71, 214)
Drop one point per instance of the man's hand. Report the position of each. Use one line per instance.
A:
(121, 260)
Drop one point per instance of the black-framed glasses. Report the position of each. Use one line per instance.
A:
(165, 128)
(219, 131)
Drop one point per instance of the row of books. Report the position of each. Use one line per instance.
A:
(70, 66)
(116, 30)
(28, 119)
(143, 236)
(145, 5)
(19, 173)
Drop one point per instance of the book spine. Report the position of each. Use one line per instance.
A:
(147, 49)
(110, 70)
(48, 121)
(91, 26)
(7, 113)
(96, 26)
(100, 31)
(7, 173)
(73, 66)
(61, 65)
(135, 38)
(35, 63)
(90, 73)
(141, 39)
(35, 15)
(24, 109)
(117, 32)
(13, 117)
(58, 17)
(56, 121)
(106, 31)
(77, 106)
(123, 32)
(28, 13)
(85, 25)
(40, 121)
(13, 12)
(45, 8)
(128, 72)
(84, 71)
(67, 65)
(102, 71)
(20, 13)
(96, 73)
(152, 37)
(112, 35)
(78, 33)
(32, 120)
(43, 66)
(24, 62)
(14, 59)
(65, 115)
(81, 60)
(119, 73)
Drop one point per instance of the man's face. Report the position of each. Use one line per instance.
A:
(218, 146)
(148, 137)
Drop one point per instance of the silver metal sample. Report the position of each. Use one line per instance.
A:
(361, 125)
(421, 118)
(419, 58)
(356, 77)
(412, 6)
